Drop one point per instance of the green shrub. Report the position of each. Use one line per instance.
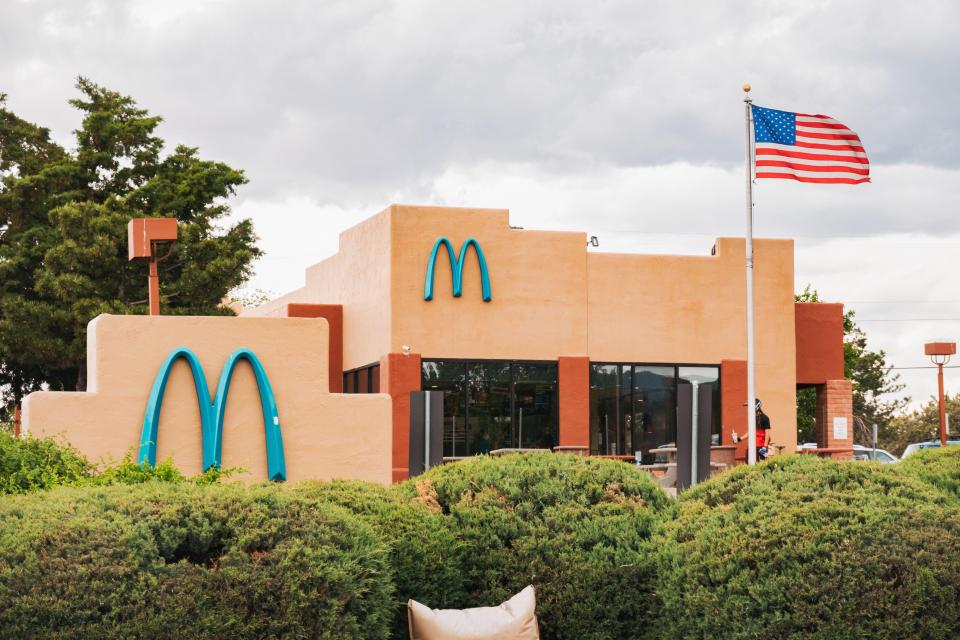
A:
(34, 464)
(160, 560)
(424, 550)
(799, 547)
(577, 528)
(939, 467)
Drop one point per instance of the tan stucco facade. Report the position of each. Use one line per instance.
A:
(553, 298)
(325, 435)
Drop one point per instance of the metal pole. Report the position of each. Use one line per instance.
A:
(520, 437)
(943, 408)
(751, 382)
(694, 419)
(426, 430)
(154, 286)
(874, 440)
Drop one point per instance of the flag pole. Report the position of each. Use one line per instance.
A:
(751, 382)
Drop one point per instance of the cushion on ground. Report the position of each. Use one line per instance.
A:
(515, 619)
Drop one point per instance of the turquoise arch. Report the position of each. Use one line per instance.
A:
(456, 268)
(212, 412)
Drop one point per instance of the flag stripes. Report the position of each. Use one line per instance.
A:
(807, 148)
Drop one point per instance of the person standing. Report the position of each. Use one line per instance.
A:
(763, 427)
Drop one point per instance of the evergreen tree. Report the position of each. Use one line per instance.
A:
(63, 247)
(873, 382)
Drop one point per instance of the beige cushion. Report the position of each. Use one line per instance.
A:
(515, 619)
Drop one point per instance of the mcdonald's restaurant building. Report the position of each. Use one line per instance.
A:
(538, 343)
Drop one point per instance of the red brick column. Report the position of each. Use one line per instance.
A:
(574, 380)
(733, 404)
(834, 406)
(399, 375)
(333, 314)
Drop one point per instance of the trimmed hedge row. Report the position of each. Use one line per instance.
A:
(186, 561)
(424, 551)
(805, 548)
(578, 528)
(795, 547)
(937, 467)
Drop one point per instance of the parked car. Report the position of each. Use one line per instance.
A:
(861, 452)
(930, 444)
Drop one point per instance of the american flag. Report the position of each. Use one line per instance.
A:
(807, 148)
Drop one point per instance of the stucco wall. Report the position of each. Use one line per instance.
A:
(692, 309)
(357, 277)
(325, 435)
(538, 281)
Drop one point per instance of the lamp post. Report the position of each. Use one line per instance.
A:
(143, 236)
(939, 353)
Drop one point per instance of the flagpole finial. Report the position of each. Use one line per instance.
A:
(746, 88)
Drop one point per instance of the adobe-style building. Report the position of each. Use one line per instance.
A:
(539, 343)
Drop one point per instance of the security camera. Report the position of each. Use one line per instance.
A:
(405, 349)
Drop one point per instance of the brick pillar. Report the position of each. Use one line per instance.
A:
(834, 405)
(574, 381)
(399, 375)
(333, 314)
(733, 404)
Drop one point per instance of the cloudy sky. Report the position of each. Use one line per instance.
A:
(621, 118)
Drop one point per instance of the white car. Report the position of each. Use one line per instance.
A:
(861, 452)
(931, 444)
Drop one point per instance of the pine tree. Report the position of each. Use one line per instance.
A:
(63, 247)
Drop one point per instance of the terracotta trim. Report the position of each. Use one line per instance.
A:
(333, 314)
(819, 342)
(733, 394)
(574, 386)
(399, 375)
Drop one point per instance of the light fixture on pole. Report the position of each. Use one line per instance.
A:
(143, 236)
(939, 353)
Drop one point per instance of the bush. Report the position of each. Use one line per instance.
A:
(577, 528)
(34, 464)
(805, 548)
(938, 467)
(424, 551)
(163, 560)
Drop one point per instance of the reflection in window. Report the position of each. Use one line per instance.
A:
(633, 408)
(494, 404)
(654, 408)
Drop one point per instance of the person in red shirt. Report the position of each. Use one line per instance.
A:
(763, 426)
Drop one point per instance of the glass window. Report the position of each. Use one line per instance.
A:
(633, 408)
(375, 379)
(711, 376)
(494, 404)
(347, 383)
(489, 423)
(535, 405)
(654, 409)
(604, 380)
(449, 377)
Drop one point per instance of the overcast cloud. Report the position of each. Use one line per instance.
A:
(623, 119)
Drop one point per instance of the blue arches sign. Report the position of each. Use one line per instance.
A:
(456, 268)
(212, 412)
